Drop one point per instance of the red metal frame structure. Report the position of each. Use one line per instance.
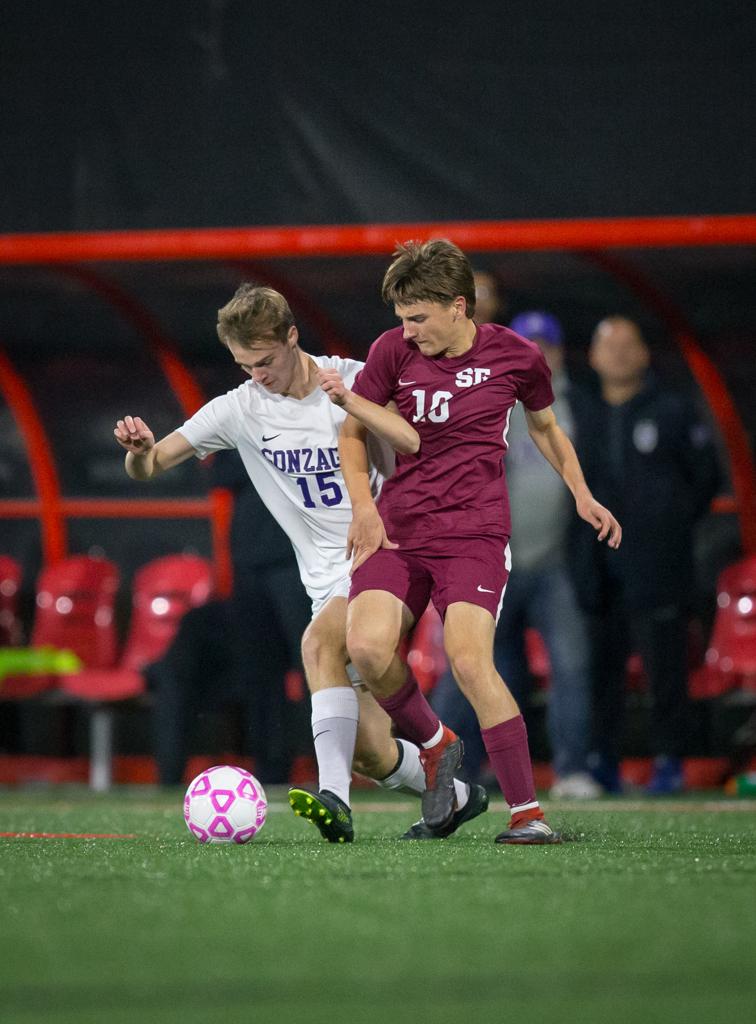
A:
(375, 239)
(591, 238)
(48, 507)
(51, 509)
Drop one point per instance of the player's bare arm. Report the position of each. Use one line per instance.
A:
(146, 458)
(382, 421)
(366, 533)
(558, 450)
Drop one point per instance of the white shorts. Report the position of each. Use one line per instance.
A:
(338, 588)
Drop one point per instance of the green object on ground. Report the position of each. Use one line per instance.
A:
(36, 661)
(646, 916)
(742, 785)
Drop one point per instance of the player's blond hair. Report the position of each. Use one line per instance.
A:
(254, 313)
(434, 271)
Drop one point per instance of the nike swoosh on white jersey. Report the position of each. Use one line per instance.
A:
(484, 591)
(404, 383)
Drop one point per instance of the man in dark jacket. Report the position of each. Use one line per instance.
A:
(647, 454)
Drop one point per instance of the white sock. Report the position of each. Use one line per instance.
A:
(463, 792)
(436, 738)
(335, 713)
(409, 776)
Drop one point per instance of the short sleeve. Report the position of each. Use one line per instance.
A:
(211, 428)
(534, 390)
(377, 380)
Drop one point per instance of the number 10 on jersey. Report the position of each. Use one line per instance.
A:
(439, 406)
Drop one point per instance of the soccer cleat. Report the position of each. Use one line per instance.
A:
(477, 803)
(533, 833)
(440, 764)
(326, 811)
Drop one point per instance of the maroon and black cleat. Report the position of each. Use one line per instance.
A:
(529, 833)
(440, 764)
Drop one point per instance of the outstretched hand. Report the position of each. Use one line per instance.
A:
(133, 434)
(331, 382)
(366, 535)
(601, 519)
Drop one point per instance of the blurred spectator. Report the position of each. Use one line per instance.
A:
(490, 304)
(646, 453)
(539, 594)
(238, 650)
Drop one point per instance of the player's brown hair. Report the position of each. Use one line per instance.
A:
(434, 271)
(253, 313)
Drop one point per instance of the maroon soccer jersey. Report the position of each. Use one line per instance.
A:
(455, 485)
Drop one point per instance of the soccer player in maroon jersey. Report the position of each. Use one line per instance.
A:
(440, 530)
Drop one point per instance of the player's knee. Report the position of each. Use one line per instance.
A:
(318, 650)
(370, 655)
(467, 666)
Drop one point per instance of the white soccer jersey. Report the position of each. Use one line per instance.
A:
(289, 447)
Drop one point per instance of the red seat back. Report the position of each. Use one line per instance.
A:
(163, 590)
(732, 648)
(75, 609)
(425, 652)
(10, 585)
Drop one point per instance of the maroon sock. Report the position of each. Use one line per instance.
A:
(507, 746)
(411, 713)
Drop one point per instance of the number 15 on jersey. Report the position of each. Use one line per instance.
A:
(326, 487)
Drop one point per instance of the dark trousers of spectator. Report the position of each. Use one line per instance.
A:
(659, 635)
(236, 652)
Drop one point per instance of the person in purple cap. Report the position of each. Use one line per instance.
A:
(440, 530)
(540, 591)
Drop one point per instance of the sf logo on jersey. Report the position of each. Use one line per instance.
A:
(437, 410)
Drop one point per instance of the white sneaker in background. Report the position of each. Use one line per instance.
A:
(578, 786)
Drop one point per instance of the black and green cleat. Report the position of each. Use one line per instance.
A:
(477, 803)
(325, 810)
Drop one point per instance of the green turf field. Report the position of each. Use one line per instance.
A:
(649, 915)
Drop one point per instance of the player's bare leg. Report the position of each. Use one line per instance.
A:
(468, 639)
(376, 624)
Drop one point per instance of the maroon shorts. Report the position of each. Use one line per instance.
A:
(475, 571)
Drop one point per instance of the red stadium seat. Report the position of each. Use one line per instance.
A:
(425, 652)
(163, 590)
(10, 585)
(730, 661)
(537, 657)
(74, 610)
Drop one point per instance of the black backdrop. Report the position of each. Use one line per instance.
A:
(208, 112)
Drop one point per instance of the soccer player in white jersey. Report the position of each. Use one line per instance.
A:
(286, 431)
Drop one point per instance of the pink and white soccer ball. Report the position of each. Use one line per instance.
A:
(225, 805)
